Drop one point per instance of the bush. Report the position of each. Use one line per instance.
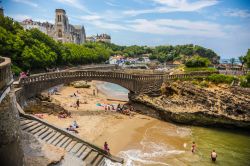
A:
(245, 81)
(192, 69)
(204, 84)
(127, 63)
(221, 78)
(197, 61)
(16, 70)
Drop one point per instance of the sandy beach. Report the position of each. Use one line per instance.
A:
(96, 124)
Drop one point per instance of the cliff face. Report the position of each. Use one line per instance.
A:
(184, 102)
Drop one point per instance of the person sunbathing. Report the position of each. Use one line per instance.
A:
(39, 116)
(71, 128)
(75, 125)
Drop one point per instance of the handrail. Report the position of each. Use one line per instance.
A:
(106, 74)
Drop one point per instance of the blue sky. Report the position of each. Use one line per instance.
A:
(222, 25)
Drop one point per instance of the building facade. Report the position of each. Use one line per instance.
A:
(61, 31)
(102, 38)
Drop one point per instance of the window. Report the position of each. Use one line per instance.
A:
(60, 33)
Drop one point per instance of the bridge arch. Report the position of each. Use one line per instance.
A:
(135, 83)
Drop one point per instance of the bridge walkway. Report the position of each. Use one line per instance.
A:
(88, 153)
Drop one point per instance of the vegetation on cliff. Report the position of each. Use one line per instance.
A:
(182, 53)
(197, 61)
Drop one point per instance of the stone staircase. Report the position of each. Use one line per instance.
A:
(89, 154)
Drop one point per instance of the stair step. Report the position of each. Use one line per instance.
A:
(91, 157)
(52, 134)
(98, 160)
(41, 131)
(37, 129)
(66, 143)
(78, 154)
(45, 134)
(58, 139)
(33, 127)
(85, 153)
(23, 122)
(70, 146)
(76, 148)
(28, 125)
(53, 138)
(62, 141)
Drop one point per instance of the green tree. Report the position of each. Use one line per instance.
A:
(242, 60)
(232, 61)
(247, 57)
(197, 61)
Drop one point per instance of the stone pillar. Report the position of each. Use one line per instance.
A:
(10, 142)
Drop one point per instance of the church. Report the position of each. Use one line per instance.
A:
(61, 31)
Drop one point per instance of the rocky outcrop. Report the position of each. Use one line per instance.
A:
(80, 84)
(36, 105)
(186, 103)
(40, 153)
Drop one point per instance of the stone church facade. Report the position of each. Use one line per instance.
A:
(61, 31)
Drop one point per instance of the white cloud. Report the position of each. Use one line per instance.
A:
(27, 2)
(108, 25)
(111, 3)
(76, 4)
(166, 6)
(20, 17)
(101, 23)
(177, 27)
(237, 13)
(90, 17)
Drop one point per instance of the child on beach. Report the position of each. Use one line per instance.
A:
(106, 148)
(193, 147)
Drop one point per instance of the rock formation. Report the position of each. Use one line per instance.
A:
(186, 103)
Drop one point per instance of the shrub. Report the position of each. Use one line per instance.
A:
(197, 61)
(245, 81)
(204, 84)
(221, 78)
(16, 70)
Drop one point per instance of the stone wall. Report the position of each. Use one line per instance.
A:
(10, 141)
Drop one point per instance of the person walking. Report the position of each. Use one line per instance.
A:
(193, 147)
(213, 156)
(77, 103)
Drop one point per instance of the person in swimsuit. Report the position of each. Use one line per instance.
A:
(106, 147)
(213, 156)
(193, 147)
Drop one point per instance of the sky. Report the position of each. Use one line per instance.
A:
(221, 25)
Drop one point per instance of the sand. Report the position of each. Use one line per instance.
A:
(96, 124)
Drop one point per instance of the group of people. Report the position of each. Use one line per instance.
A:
(24, 74)
(213, 153)
(125, 109)
(73, 127)
(64, 114)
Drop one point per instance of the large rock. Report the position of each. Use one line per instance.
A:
(80, 84)
(40, 153)
(191, 104)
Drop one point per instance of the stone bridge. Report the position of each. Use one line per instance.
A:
(135, 83)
